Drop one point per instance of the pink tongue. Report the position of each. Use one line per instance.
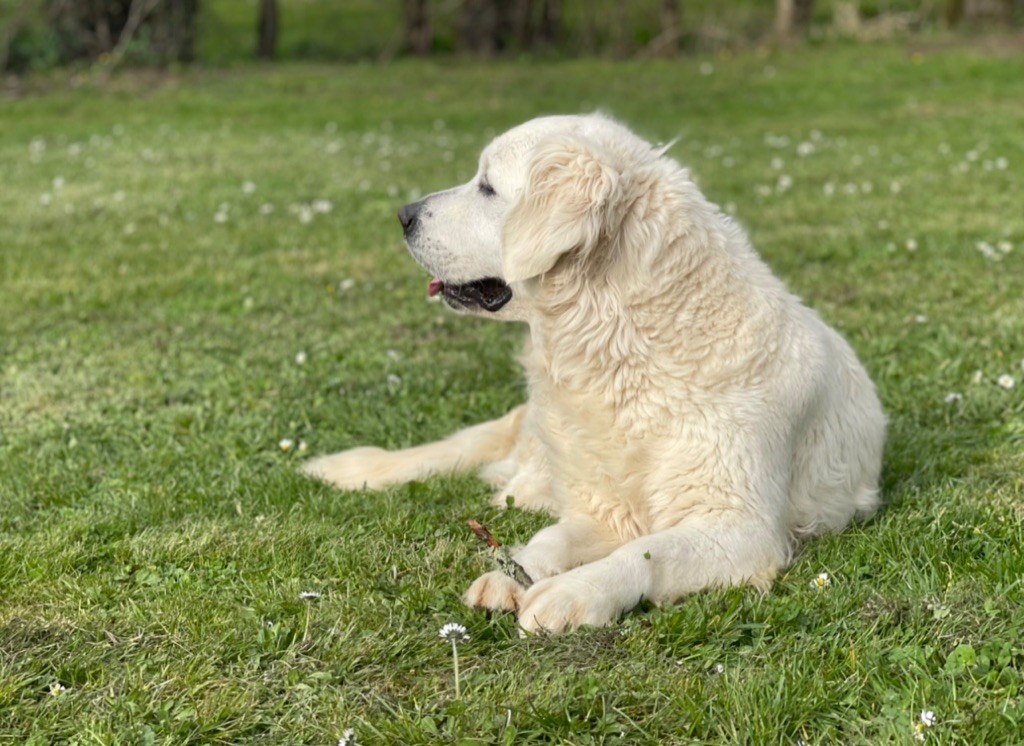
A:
(434, 287)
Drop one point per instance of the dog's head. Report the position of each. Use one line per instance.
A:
(546, 194)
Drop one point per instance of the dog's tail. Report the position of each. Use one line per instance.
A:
(375, 468)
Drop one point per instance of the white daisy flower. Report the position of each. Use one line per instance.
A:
(926, 720)
(954, 398)
(286, 444)
(804, 149)
(248, 187)
(706, 68)
(348, 738)
(986, 249)
(45, 199)
(1006, 381)
(821, 582)
(347, 284)
(266, 208)
(309, 596)
(911, 244)
(301, 357)
(453, 633)
(323, 206)
(57, 689)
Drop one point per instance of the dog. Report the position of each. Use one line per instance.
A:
(689, 421)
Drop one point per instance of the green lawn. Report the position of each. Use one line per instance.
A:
(169, 247)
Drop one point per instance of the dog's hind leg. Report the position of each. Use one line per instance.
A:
(375, 468)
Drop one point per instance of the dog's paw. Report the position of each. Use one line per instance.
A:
(357, 469)
(567, 602)
(495, 591)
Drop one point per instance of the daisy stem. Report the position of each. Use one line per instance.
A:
(455, 663)
(305, 632)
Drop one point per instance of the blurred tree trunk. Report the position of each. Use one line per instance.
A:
(522, 26)
(999, 11)
(419, 36)
(14, 26)
(954, 12)
(792, 16)
(487, 27)
(666, 43)
(478, 27)
(549, 30)
(174, 37)
(588, 30)
(266, 44)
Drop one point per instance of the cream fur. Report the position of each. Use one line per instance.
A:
(688, 421)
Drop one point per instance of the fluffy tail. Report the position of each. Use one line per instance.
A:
(374, 468)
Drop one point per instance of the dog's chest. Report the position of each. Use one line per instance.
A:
(597, 468)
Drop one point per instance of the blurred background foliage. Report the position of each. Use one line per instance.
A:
(43, 34)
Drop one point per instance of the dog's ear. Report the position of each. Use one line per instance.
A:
(569, 191)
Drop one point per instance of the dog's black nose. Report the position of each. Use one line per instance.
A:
(407, 216)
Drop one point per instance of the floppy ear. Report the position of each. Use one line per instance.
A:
(568, 194)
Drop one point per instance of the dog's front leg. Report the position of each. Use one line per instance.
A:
(708, 551)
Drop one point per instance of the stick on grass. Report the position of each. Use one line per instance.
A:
(504, 558)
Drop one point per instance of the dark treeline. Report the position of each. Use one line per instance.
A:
(38, 34)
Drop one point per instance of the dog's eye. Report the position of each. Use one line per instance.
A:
(486, 189)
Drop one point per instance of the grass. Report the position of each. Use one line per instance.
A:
(154, 539)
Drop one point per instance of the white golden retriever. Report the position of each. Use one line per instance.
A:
(688, 420)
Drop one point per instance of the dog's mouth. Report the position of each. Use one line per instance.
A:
(489, 294)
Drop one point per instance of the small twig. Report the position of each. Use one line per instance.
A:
(508, 566)
(483, 534)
